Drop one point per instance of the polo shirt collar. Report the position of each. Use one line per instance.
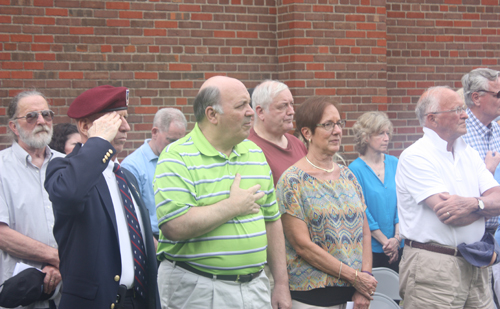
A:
(478, 126)
(204, 146)
(147, 152)
(24, 157)
(440, 144)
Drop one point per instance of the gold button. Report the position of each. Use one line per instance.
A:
(111, 151)
(104, 160)
(106, 156)
(117, 278)
(112, 306)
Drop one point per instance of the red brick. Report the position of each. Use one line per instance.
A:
(365, 10)
(154, 49)
(443, 8)
(301, 58)
(322, 75)
(236, 50)
(378, 50)
(355, 50)
(189, 8)
(453, 53)
(4, 74)
(45, 57)
(21, 38)
(315, 66)
(5, 19)
(489, 2)
(180, 101)
(224, 34)
(12, 65)
(44, 21)
(21, 75)
(444, 38)
(299, 25)
(146, 75)
(43, 3)
(195, 16)
(155, 32)
(105, 48)
(118, 23)
(40, 47)
(117, 5)
(301, 41)
(292, 1)
(130, 14)
(355, 34)
(349, 42)
(44, 39)
(415, 15)
(70, 75)
(81, 30)
(179, 67)
(323, 49)
(33, 65)
(425, 38)
(181, 84)
(489, 62)
(355, 18)
(145, 109)
(462, 24)
(325, 91)
(166, 24)
(323, 8)
(56, 12)
(396, 15)
(406, 84)
(247, 34)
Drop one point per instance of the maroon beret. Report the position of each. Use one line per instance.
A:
(100, 99)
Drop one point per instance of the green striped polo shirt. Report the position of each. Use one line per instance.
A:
(192, 173)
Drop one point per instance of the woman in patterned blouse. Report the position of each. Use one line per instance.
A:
(328, 243)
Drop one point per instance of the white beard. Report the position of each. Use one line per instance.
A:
(39, 138)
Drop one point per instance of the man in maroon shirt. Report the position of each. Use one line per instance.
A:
(272, 102)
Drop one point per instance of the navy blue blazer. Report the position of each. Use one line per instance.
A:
(85, 228)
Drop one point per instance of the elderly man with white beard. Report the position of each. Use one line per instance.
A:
(26, 217)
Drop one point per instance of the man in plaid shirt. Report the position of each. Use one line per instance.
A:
(482, 96)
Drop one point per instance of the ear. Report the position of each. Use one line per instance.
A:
(211, 115)
(12, 126)
(430, 119)
(154, 132)
(306, 132)
(83, 126)
(260, 112)
(475, 99)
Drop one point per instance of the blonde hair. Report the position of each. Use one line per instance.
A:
(367, 124)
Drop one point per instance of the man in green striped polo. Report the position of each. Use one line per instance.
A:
(217, 210)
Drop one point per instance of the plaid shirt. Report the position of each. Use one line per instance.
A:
(483, 139)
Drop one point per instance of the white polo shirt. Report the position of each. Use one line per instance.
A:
(427, 168)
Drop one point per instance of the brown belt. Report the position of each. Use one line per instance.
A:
(433, 248)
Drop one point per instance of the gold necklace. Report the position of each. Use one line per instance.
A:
(320, 168)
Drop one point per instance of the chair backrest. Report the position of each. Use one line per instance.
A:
(381, 301)
(388, 282)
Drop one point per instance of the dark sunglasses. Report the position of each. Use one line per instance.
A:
(31, 117)
(495, 94)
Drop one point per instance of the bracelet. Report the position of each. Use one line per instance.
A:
(340, 271)
(367, 272)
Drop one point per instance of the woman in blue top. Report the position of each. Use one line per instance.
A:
(376, 172)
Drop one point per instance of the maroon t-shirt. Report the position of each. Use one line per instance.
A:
(280, 159)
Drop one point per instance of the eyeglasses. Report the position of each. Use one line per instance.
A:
(328, 126)
(459, 110)
(495, 94)
(31, 117)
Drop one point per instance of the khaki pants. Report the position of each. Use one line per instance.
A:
(434, 280)
(180, 288)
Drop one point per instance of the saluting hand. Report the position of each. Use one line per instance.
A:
(106, 126)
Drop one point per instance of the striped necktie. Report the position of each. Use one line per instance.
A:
(134, 231)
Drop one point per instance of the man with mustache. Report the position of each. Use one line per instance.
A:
(217, 210)
(272, 102)
(102, 226)
(444, 193)
(26, 217)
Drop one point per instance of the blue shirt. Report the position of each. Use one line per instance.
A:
(483, 139)
(380, 198)
(142, 163)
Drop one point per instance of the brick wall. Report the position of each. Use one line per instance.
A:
(369, 54)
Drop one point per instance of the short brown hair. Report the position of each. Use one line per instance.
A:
(309, 113)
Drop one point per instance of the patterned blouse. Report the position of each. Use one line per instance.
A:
(333, 211)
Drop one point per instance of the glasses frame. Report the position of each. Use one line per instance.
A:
(48, 115)
(459, 110)
(340, 124)
(495, 94)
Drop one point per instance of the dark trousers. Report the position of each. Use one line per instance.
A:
(382, 260)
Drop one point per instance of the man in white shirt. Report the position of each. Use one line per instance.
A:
(26, 217)
(444, 194)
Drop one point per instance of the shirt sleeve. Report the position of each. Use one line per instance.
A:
(355, 169)
(288, 195)
(173, 188)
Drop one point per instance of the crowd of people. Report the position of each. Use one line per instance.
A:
(239, 213)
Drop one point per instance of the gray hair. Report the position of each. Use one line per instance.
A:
(476, 80)
(209, 96)
(12, 109)
(265, 92)
(165, 116)
(428, 102)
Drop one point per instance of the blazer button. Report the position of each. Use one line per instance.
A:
(112, 306)
(103, 160)
(117, 278)
(110, 151)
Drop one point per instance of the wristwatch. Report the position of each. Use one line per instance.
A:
(480, 204)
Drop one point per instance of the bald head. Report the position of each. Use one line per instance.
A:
(213, 92)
